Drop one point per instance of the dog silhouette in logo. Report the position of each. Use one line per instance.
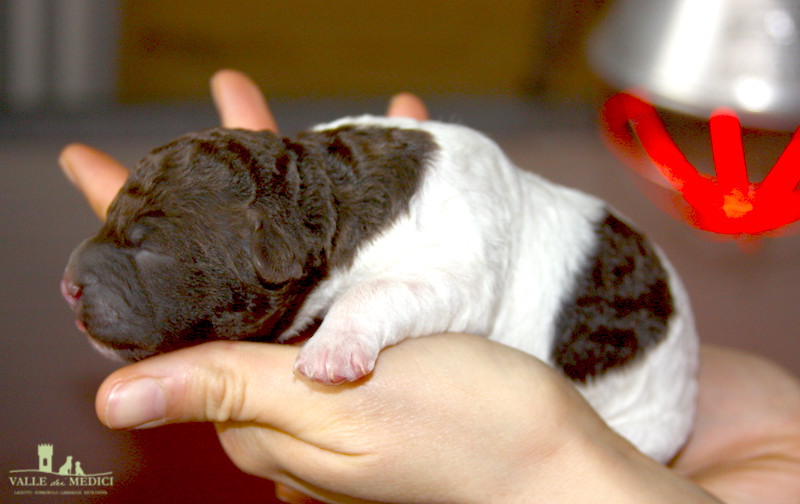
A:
(67, 467)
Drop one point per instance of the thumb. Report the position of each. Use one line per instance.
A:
(213, 382)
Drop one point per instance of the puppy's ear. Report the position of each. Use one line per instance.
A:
(294, 213)
(277, 256)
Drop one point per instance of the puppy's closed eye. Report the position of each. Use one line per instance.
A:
(138, 231)
(136, 234)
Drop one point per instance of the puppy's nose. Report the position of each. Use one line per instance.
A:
(71, 291)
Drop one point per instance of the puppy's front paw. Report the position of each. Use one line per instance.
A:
(336, 360)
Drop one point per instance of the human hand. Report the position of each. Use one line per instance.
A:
(745, 447)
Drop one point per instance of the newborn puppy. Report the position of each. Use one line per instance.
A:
(367, 231)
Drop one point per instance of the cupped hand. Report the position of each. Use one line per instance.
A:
(448, 418)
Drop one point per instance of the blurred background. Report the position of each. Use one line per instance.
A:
(76, 53)
(126, 76)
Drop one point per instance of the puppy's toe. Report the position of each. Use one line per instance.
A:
(336, 363)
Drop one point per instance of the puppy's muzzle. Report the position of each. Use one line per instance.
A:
(97, 285)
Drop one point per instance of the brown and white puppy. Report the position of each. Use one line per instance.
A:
(370, 230)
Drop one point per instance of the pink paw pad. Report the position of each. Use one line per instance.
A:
(335, 364)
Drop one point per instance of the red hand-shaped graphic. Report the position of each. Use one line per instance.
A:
(728, 203)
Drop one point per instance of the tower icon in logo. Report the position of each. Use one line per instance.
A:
(46, 458)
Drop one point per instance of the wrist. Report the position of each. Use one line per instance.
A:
(569, 455)
(598, 466)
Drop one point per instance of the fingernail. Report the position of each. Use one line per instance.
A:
(136, 404)
(280, 494)
(67, 169)
(290, 495)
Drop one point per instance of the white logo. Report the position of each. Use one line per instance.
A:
(71, 478)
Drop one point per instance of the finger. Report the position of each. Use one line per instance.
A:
(288, 494)
(240, 103)
(96, 174)
(407, 105)
(216, 382)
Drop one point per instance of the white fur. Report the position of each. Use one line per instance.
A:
(489, 249)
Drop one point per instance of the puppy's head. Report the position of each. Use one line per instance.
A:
(217, 235)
